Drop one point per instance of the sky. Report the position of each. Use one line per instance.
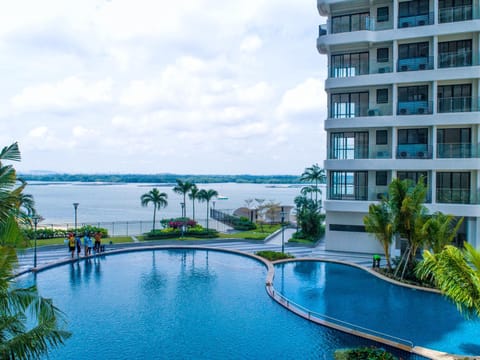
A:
(156, 86)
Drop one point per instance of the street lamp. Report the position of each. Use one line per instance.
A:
(36, 219)
(283, 231)
(75, 206)
(182, 204)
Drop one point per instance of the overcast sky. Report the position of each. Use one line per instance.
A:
(155, 86)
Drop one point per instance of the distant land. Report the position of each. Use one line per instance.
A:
(160, 178)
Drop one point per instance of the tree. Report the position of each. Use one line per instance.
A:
(271, 209)
(183, 188)
(21, 337)
(316, 175)
(456, 273)
(193, 195)
(440, 230)
(309, 218)
(207, 195)
(379, 222)
(158, 200)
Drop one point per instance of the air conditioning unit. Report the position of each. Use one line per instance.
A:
(382, 70)
(421, 23)
(403, 111)
(420, 154)
(373, 112)
(404, 68)
(403, 154)
(404, 24)
(420, 111)
(422, 66)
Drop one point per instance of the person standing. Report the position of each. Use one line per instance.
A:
(79, 245)
(71, 244)
(98, 242)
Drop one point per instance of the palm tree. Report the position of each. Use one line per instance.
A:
(440, 230)
(207, 195)
(379, 222)
(22, 336)
(456, 273)
(183, 188)
(193, 195)
(158, 200)
(314, 174)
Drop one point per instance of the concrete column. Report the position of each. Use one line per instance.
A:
(395, 14)
(394, 146)
(434, 96)
(435, 51)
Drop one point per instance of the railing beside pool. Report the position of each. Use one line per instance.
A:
(376, 336)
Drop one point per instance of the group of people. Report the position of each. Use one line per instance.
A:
(75, 243)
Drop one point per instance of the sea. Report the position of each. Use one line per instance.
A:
(101, 203)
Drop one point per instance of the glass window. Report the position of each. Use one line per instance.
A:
(381, 137)
(412, 136)
(352, 145)
(382, 96)
(349, 185)
(381, 178)
(382, 14)
(382, 55)
(349, 105)
(414, 176)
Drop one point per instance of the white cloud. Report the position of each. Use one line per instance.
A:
(251, 44)
(305, 97)
(69, 93)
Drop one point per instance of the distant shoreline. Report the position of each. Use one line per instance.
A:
(162, 178)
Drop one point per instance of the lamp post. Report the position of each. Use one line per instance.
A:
(182, 204)
(75, 206)
(283, 231)
(36, 219)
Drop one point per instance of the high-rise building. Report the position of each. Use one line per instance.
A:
(403, 92)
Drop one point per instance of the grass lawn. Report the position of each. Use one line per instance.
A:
(258, 234)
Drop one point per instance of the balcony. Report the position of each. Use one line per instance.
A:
(352, 23)
(363, 193)
(415, 107)
(457, 196)
(380, 152)
(458, 151)
(455, 59)
(414, 151)
(458, 104)
(454, 14)
(415, 20)
(415, 64)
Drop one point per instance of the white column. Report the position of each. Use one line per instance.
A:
(395, 14)
(435, 51)
(434, 96)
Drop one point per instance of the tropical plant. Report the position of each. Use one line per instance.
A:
(379, 222)
(309, 219)
(440, 230)
(22, 336)
(157, 198)
(316, 175)
(193, 195)
(183, 188)
(456, 273)
(271, 210)
(207, 196)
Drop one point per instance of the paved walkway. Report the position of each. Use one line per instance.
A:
(49, 254)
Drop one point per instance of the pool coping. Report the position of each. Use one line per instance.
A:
(270, 266)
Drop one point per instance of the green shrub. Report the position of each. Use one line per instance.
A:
(364, 353)
(274, 255)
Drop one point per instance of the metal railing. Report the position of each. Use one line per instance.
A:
(457, 196)
(458, 151)
(457, 58)
(456, 13)
(414, 151)
(361, 331)
(458, 104)
(415, 20)
(348, 192)
(415, 64)
(415, 107)
(351, 23)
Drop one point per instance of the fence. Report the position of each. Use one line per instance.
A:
(132, 227)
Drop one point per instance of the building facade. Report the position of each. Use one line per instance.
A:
(403, 92)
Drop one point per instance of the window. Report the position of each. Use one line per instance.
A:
(455, 98)
(454, 143)
(381, 137)
(346, 185)
(349, 105)
(454, 10)
(346, 65)
(382, 96)
(381, 178)
(453, 187)
(455, 53)
(414, 176)
(413, 8)
(349, 228)
(413, 93)
(353, 22)
(382, 55)
(413, 50)
(382, 14)
(412, 136)
(352, 145)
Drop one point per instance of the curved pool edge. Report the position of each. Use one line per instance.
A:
(417, 350)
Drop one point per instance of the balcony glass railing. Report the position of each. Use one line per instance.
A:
(414, 151)
(322, 30)
(457, 13)
(415, 64)
(458, 151)
(455, 59)
(415, 20)
(351, 23)
(458, 104)
(415, 107)
(380, 152)
(457, 196)
(362, 193)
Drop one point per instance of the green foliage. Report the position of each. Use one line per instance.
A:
(379, 222)
(274, 255)
(364, 353)
(309, 219)
(90, 229)
(49, 233)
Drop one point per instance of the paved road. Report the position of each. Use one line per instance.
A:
(49, 254)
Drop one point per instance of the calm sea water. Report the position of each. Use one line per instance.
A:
(100, 202)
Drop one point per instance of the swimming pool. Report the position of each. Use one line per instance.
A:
(353, 295)
(182, 304)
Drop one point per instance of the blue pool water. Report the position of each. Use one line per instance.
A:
(355, 296)
(179, 304)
